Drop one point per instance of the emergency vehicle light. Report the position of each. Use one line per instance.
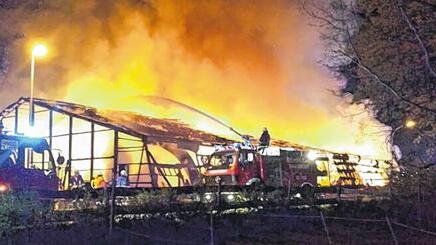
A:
(312, 155)
(4, 188)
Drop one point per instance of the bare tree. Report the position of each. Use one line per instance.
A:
(338, 21)
(387, 58)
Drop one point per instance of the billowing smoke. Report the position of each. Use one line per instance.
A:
(250, 63)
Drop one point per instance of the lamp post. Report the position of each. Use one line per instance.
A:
(409, 124)
(38, 50)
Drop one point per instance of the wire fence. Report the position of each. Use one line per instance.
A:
(377, 229)
(262, 228)
(295, 228)
(153, 238)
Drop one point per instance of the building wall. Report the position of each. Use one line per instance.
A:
(92, 153)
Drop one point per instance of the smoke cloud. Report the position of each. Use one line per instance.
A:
(249, 63)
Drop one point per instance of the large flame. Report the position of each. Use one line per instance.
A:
(250, 65)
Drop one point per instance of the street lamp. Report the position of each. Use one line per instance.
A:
(408, 124)
(38, 51)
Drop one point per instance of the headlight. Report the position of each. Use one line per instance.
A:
(4, 188)
(208, 197)
(312, 155)
(230, 197)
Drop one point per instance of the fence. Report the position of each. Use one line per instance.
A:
(294, 228)
(258, 228)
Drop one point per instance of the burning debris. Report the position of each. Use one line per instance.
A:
(159, 130)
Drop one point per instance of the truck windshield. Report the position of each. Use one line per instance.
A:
(222, 160)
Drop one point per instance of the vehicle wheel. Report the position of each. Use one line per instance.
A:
(307, 192)
(199, 182)
(257, 185)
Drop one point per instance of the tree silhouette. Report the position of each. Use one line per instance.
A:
(386, 50)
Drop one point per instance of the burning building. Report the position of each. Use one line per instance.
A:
(154, 152)
(251, 65)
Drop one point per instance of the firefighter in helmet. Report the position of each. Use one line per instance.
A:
(264, 138)
(98, 182)
(123, 179)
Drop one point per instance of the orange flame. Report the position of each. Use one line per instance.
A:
(249, 65)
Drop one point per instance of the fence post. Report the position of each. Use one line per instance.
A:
(217, 206)
(388, 221)
(325, 227)
(113, 185)
(289, 188)
(218, 181)
(211, 231)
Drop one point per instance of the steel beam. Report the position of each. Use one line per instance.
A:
(91, 174)
(156, 166)
(70, 148)
(50, 129)
(16, 121)
(113, 186)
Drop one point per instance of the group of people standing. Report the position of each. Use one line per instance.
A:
(77, 181)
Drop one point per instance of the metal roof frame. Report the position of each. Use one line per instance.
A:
(93, 115)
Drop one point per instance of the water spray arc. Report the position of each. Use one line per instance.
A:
(154, 98)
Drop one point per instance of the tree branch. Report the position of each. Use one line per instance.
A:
(433, 6)
(388, 87)
(418, 37)
(377, 78)
(341, 25)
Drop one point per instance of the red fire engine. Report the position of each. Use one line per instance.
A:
(283, 167)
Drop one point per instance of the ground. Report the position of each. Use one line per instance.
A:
(294, 226)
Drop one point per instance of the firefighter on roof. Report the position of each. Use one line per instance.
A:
(264, 138)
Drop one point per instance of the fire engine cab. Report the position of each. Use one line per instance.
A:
(235, 165)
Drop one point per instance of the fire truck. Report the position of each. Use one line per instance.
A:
(297, 168)
(27, 164)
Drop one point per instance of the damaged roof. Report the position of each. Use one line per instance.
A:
(154, 129)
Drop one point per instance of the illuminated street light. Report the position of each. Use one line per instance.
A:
(38, 51)
(408, 124)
